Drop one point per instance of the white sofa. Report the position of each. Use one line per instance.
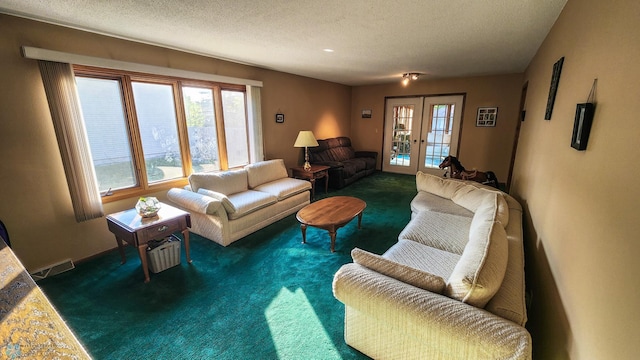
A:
(230, 205)
(452, 287)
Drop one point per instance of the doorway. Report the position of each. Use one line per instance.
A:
(420, 132)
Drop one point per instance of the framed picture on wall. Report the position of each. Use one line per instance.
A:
(553, 88)
(487, 116)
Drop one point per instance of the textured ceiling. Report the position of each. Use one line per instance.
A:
(374, 41)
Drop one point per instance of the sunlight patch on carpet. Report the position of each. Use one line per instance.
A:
(296, 330)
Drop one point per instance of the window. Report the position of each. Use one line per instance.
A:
(157, 124)
(235, 125)
(439, 134)
(201, 126)
(103, 112)
(149, 132)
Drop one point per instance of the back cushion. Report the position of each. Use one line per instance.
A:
(319, 153)
(436, 185)
(481, 269)
(226, 182)
(265, 171)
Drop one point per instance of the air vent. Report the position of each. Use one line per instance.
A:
(52, 270)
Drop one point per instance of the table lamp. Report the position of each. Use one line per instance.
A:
(306, 139)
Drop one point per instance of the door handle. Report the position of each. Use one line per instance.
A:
(422, 141)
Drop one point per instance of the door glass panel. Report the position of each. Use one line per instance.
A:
(107, 131)
(401, 142)
(158, 130)
(439, 134)
(201, 125)
(235, 128)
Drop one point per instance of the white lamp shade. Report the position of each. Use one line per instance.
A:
(305, 139)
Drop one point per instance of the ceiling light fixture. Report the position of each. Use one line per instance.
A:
(409, 76)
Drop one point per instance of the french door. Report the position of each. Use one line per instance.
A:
(420, 132)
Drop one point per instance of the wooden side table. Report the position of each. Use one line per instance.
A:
(138, 231)
(316, 172)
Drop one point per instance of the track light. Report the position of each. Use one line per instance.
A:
(409, 76)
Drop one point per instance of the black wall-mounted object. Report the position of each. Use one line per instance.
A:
(279, 118)
(582, 126)
(553, 88)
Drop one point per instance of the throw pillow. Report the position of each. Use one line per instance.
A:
(483, 263)
(228, 205)
(404, 273)
(470, 198)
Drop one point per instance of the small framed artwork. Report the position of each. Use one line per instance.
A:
(279, 118)
(553, 88)
(487, 116)
(366, 113)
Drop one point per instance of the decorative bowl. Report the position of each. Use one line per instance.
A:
(148, 207)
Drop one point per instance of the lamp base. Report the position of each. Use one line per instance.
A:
(307, 166)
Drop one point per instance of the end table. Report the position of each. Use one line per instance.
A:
(137, 231)
(316, 172)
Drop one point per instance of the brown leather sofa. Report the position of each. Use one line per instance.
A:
(347, 165)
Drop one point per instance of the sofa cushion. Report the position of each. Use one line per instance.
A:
(426, 201)
(481, 269)
(284, 188)
(348, 169)
(226, 203)
(226, 182)
(436, 185)
(443, 231)
(341, 153)
(265, 171)
(423, 257)
(471, 197)
(249, 201)
(359, 164)
(404, 273)
(369, 162)
(509, 301)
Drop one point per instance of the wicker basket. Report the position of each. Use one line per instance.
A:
(164, 254)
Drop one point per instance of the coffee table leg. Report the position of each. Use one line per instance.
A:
(142, 251)
(332, 233)
(360, 221)
(303, 228)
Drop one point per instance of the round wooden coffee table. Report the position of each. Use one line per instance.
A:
(330, 214)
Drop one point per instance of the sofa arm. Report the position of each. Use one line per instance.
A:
(431, 318)
(191, 201)
(371, 154)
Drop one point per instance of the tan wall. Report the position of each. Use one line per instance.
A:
(481, 148)
(35, 203)
(581, 207)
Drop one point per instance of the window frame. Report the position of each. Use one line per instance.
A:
(125, 79)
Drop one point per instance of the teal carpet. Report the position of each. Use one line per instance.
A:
(266, 296)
